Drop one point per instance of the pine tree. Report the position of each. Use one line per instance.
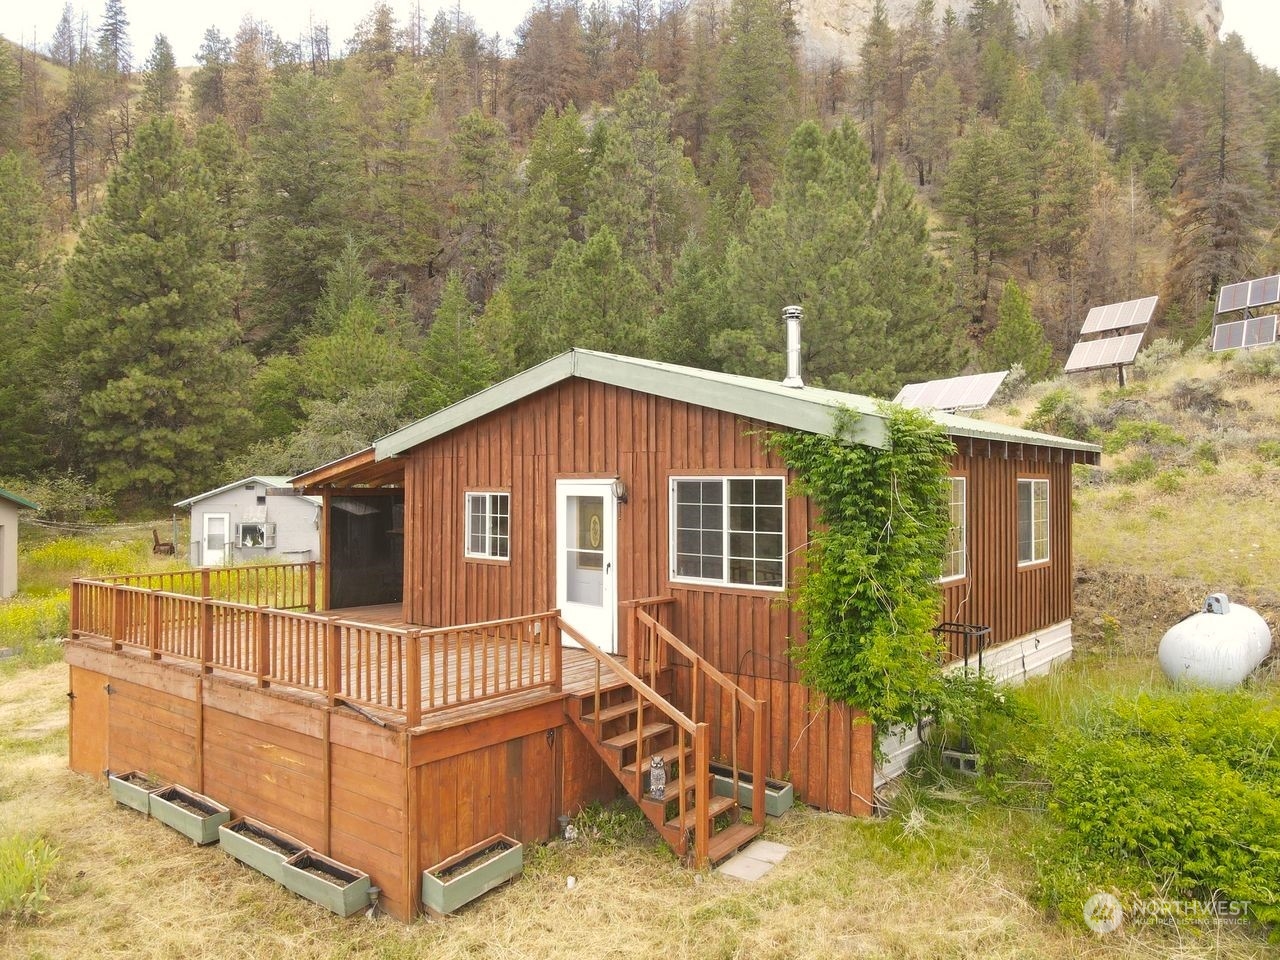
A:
(209, 83)
(148, 326)
(27, 274)
(114, 52)
(755, 87)
(300, 220)
(1017, 337)
(455, 361)
(160, 82)
(485, 170)
(855, 254)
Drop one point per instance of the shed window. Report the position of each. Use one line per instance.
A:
(489, 525)
(953, 562)
(256, 535)
(1033, 521)
(728, 530)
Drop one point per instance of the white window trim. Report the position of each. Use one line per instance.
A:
(724, 479)
(490, 539)
(964, 530)
(1048, 523)
(268, 535)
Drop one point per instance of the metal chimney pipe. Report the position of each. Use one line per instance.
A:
(792, 315)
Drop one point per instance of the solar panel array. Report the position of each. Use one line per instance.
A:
(1249, 293)
(1252, 332)
(1118, 316)
(1111, 352)
(954, 393)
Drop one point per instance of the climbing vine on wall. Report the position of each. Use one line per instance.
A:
(868, 592)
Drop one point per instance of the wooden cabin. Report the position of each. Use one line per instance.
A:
(531, 595)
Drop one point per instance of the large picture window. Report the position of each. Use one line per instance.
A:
(256, 534)
(728, 530)
(489, 525)
(1033, 521)
(953, 563)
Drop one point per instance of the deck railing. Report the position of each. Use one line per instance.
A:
(282, 586)
(712, 697)
(406, 672)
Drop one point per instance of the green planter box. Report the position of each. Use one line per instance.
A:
(333, 885)
(133, 789)
(191, 814)
(259, 846)
(475, 871)
(778, 794)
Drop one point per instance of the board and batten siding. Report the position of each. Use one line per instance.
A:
(582, 429)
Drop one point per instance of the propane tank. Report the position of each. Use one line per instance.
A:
(1218, 647)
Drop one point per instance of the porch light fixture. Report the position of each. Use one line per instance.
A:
(619, 490)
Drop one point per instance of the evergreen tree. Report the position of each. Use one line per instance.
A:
(856, 255)
(209, 83)
(160, 83)
(755, 87)
(485, 170)
(595, 298)
(148, 327)
(455, 361)
(300, 220)
(1017, 337)
(984, 198)
(114, 51)
(27, 273)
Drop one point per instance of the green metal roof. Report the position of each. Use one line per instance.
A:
(20, 501)
(811, 409)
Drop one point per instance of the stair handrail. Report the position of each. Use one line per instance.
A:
(738, 697)
(699, 737)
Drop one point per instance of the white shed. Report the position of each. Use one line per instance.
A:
(254, 520)
(10, 504)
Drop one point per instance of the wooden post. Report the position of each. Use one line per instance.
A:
(333, 650)
(262, 637)
(153, 624)
(73, 618)
(702, 794)
(204, 582)
(311, 586)
(557, 650)
(206, 635)
(119, 598)
(758, 771)
(413, 679)
(633, 616)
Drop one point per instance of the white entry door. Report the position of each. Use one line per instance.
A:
(215, 547)
(587, 559)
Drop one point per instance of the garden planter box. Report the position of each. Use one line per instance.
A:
(333, 885)
(778, 794)
(259, 846)
(191, 814)
(133, 789)
(475, 871)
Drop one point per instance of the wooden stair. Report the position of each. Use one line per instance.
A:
(675, 816)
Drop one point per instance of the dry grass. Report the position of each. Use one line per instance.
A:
(956, 884)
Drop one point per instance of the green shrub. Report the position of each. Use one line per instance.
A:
(1169, 481)
(1172, 795)
(53, 564)
(25, 866)
(1269, 450)
(1146, 432)
(1159, 354)
(1142, 467)
(1060, 411)
(65, 497)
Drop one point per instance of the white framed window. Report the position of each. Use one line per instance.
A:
(255, 534)
(489, 526)
(954, 565)
(728, 530)
(1033, 521)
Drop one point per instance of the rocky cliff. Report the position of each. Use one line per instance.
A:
(834, 29)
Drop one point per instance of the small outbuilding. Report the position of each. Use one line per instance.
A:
(254, 520)
(10, 504)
